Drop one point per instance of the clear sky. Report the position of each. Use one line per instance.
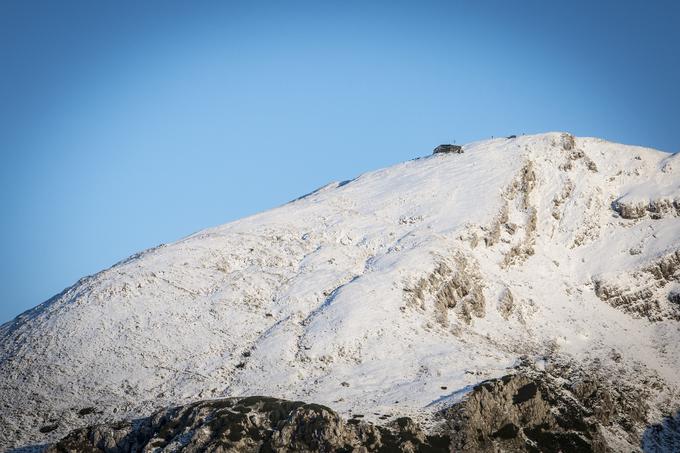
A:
(126, 124)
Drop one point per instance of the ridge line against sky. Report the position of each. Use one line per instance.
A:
(125, 125)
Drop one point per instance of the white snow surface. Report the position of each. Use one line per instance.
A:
(310, 300)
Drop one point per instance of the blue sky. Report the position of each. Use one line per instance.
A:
(128, 124)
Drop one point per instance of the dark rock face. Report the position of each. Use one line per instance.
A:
(538, 411)
(448, 149)
(517, 414)
(253, 424)
(563, 410)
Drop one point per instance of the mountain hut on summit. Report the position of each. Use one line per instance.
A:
(448, 149)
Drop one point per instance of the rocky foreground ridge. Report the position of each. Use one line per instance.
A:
(409, 293)
(560, 410)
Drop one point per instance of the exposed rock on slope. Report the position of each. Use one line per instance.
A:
(641, 292)
(563, 409)
(446, 289)
(253, 424)
(394, 293)
(536, 411)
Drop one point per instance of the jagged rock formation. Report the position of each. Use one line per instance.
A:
(394, 293)
(656, 208)
(560, 410)
(662, 199)
(459, 289)
(641, 292)
(254, 424)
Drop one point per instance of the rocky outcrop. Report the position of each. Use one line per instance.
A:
(560, 410)
(518, 203)
(561, 198)
(645, 293)
(506, 303)
(514, 414)
(657, 209)
(452, 286)
(629, 210)
(253, 424)
(567, 141)
(538, 411)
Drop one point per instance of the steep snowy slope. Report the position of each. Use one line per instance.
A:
(391, 293)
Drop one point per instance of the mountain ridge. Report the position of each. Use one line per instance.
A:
(371, 296)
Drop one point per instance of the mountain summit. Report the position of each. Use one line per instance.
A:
(395, 294)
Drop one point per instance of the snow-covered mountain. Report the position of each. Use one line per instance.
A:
(393, 293)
